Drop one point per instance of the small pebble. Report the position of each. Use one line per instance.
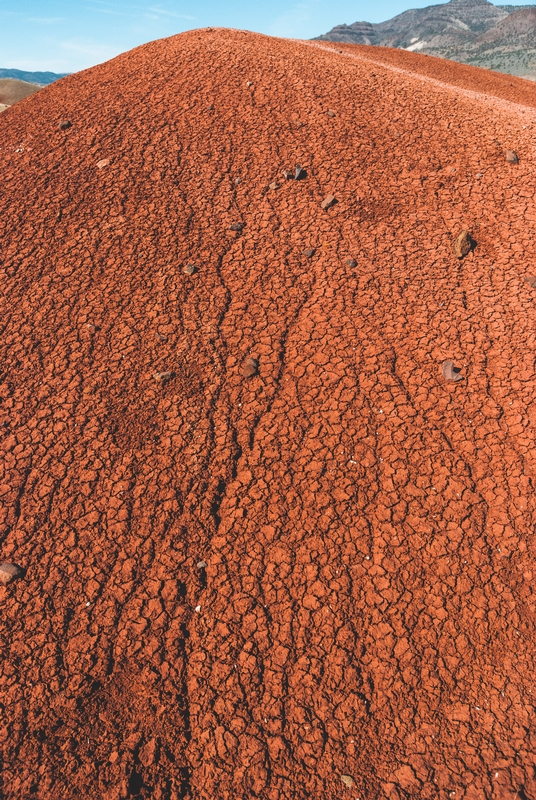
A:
(531, 280)
(351, 262)
(237, 226)
(479, 174)
(511, 157)
(450, 372)
(249, 83)
(189, 269)
(202, 565)
(274, 185)
(103, 163)
(309, 253)
(9, 572)
(288, 176)
(237, 181)
(64, 125)
(331, 113)
(299, 174)
(251, 367)
(348, 780)
(163, 377)
(463, 244)
(327, 202)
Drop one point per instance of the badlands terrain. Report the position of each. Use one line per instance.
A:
(267, 548)
(12, 91)
(498, 37)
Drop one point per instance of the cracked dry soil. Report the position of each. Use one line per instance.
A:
(314, 579)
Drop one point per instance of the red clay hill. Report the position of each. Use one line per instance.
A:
(272, 547)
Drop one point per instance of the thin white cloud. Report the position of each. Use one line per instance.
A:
(165, 13)
(289, 24)
(96, 51)
(45, 20)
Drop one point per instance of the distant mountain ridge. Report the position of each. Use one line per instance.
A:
(39, 78)
(475, 32)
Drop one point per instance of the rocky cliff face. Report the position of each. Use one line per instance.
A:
(471, 31)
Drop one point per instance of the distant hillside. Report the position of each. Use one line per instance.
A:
(40, 78)
(13, 90)
(475, 32)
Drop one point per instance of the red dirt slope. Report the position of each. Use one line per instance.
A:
(367, 606)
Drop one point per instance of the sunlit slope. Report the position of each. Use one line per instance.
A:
(269, 551)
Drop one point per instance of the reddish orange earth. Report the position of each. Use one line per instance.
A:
(297, 563)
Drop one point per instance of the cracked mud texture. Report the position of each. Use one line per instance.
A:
(317, 581)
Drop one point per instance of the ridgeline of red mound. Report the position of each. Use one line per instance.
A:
(273, 546)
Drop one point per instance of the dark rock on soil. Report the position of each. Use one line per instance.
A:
(10, 572)
(450, 372)
(328, 201)
(463, 245)
(251, 368)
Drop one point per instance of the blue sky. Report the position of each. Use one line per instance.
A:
(68, 35)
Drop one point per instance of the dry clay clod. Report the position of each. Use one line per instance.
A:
(450, 372)
(511, 157)
(251, 367)
(463, 245)
(9, 572)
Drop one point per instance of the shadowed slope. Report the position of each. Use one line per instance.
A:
(248, 587)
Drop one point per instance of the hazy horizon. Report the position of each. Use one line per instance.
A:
(59, 36)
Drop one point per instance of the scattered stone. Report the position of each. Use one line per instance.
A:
(531, 280)
(348, 780)
(189, 269)
(328, 201)
(351, 262)
(163, 377)
(10, 572)
(274, 185)
(103, 163)
(463, 244)
(288, 176)
(237, 181)
(300, 173)
(237, 226)
(64, 125)
(450, 372)
(310, 252)
(202, 565)
(251, 367)
(249, 83)
(331, 113)
(479, 175)
(511, 157)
